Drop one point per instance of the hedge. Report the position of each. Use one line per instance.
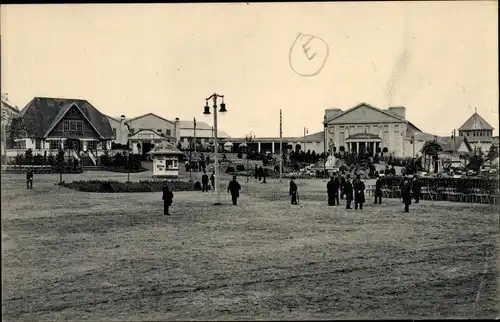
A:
(122, 170)
(111, 186)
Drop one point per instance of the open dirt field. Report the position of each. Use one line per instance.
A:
(81, 256)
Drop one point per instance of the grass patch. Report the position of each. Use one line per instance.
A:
(111, 186)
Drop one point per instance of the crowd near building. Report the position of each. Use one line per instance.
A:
(48, 124)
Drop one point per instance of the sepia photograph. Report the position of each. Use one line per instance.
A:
(250, 161)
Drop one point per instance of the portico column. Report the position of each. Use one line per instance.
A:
(272, 147)
(258, 147)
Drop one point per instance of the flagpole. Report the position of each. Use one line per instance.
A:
(281, 147)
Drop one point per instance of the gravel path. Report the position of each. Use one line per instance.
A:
(74, 255)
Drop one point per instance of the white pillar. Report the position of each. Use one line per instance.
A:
(258, 147)
(272, 147)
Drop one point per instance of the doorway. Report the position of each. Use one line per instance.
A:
(146, 148)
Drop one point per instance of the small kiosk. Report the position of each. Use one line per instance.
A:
(165, 161)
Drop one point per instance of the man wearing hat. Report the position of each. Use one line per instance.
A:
(234, 187)
(406, 194)
(359, 192)
(332, 188)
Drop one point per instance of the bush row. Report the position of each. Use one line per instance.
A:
(461, 184)
(111, 186)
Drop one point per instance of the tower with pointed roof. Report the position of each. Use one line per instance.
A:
(476, 126)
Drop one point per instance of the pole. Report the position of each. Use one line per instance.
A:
(128, 167)
(281, 146)
(304, 139)
(216, 155)
(194, 136)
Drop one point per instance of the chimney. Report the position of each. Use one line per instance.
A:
(177, 128)
(331, 112)
(398, 111)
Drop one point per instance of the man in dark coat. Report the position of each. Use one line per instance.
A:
(167, 197)
(261, 173)
(204, 182)
(212, 180)
(406, 193)
(256, 172)
(342, 184)
(348, 191)
(329, 191)
(234, 187)
(417, 188)
(29, 179)
(378, 191)
(359, 192)
(293, 191)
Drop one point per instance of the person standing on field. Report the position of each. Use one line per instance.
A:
(348, 191)
(29, 179)
(406, 194)
(204, 182)
(359, 192)
(293, 191)
(167, 197)
(234, 187)
(378, 191)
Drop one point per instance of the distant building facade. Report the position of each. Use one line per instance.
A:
(479, 133)
(368, 127)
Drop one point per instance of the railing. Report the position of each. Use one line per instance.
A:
(441, 194)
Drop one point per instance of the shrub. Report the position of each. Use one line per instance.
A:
(239, 156)
(240, 167)
(197, 186)
(121, 187)
(230, 169)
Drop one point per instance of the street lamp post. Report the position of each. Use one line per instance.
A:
(248, 139)
(325, 127)
(413, 146)
(206, 111)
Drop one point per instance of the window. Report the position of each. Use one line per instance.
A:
(342, 137)
(66, 126)
(79, 126)
(396, 126)
(38, 144)
(54, 145)
(72, 126)
(132, 130)
(114, 131)
(158, 130)
(169, 132)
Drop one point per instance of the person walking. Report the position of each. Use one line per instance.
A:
(29, 179)
(234, 187)
(378, 191)
(359, 192)
(167, 197)
(417, 188)
(256, 174)
(212, 179)
(406, 194)
(348, 191)
(293, 191)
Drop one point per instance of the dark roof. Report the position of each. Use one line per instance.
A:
(363, 136)
(451, 145)
(475, 122)
(43, 113)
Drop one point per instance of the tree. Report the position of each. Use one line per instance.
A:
(28, 156)
(60, 163)
(16, 129)
(492, 153)
(430, 151)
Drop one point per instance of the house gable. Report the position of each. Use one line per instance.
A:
(146, 135)
(365, 113)
(153, 122)
(66, 124)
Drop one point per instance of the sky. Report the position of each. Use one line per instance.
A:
(438, 59)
